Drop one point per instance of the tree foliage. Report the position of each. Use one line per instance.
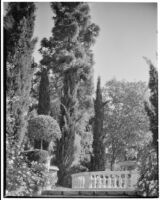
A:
(21, 179)
(67, 53)
(43, 128)
(44, 96)
(98, 158)
(19, 44)
(148, 184)
(34, 93)
(126, 123)
(152, 108)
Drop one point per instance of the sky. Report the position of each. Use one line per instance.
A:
(128, 31)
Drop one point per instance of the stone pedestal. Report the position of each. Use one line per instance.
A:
(51, 178)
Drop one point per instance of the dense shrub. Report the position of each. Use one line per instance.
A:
(22, 179)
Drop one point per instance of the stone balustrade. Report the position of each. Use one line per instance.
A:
(105, 180)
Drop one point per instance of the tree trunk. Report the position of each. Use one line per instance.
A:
(112, 164)
(41, 144)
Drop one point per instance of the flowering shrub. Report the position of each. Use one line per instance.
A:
(148, 181)
(22, 180)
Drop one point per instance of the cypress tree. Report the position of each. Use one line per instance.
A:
(98, 157)
(149, 181)
(18, 30)
(152, 109)
(43, 107)
(44, 97)
(68, 54)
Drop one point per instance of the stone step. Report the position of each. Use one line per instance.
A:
(73, 193)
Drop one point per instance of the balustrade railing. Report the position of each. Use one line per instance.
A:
(117, 180)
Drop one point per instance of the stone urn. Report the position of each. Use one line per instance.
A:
(52, 178)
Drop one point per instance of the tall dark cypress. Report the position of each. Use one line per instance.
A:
(98, 158)
(44, 97)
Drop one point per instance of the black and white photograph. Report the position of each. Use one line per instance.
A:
(80, 99)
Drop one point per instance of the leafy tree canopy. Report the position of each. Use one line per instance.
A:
(126, 123)
(43, 127)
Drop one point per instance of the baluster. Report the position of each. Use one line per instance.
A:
(129, 180)
(90, 181)
(73, 182)
(77, 181)
(80, 181)
(115, 181)
(104, 181)
(112, 181)
(83, 181)
(123, 180)
(120, 181)
(132, 181)
(87, 180)
(101, 180)
(97, 181)
(109, 181)
(94, 181)
(126, 180)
